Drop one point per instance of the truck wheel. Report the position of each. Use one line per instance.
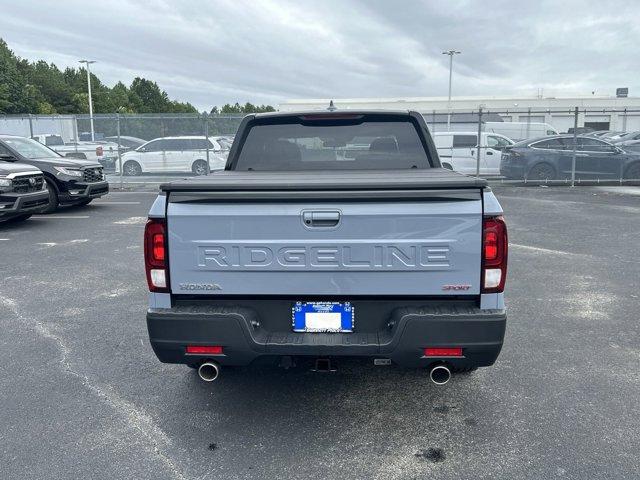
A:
(53, 198)
(542, 171)
(633, 172)
(131, 169)
(200, 167)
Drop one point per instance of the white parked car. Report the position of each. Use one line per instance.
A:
(458, 151)
(175, 154)
(517, 131)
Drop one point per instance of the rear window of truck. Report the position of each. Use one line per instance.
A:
(343, 144)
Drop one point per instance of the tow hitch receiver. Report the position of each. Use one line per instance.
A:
(324, 365)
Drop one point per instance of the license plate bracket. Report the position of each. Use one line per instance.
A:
(323, 317)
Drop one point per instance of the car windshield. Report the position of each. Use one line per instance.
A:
(29, 148)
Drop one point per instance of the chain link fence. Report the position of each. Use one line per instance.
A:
(540, 146)
(519, 146)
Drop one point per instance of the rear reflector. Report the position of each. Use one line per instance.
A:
(205, 349)
(494, 254)
(443, 352)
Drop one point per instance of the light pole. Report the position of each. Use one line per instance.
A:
(87, 63)
(451, 53)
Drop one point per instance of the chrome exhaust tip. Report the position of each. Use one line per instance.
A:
(208, 371)
(440, 375)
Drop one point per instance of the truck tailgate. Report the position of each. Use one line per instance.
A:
(427, 244)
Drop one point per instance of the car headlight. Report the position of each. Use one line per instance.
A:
(69, 171)
(5, 182)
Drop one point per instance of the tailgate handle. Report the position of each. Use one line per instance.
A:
(321, 219)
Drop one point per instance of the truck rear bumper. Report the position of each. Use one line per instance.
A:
(403, 338)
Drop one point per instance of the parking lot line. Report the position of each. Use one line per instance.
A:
(132, 221)
(547, 250)
(70, 242)
(136, 192)
(620, 190)
(542, 200)
(60, 216)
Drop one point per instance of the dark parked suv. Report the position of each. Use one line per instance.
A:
(68, 181)
(550, 158)
(22, 191)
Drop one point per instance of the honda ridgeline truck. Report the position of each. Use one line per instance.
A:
(310, 246)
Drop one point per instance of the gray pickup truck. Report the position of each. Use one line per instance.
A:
(328, 235)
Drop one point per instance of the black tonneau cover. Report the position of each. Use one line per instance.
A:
(310, 181)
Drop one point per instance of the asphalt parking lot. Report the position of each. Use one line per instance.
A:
(83, 396)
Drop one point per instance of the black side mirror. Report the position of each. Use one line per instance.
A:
(7, 157)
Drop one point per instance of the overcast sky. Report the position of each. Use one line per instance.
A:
(218, 51)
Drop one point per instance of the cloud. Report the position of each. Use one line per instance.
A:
(267, 51)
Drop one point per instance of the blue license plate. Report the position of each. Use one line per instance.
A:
(335, 317)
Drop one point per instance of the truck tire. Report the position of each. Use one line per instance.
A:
(542, 171)
(131, 168)
(53, 198)
(200, 167)
(633, 171)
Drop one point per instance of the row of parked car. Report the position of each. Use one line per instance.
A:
(599, 154)
(177, 154)
(37, 179)
(604, 155)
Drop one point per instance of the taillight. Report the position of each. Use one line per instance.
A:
(494, 254)
(99, 151)
(155, 255)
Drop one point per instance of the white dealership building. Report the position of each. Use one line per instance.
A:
(600, 112)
